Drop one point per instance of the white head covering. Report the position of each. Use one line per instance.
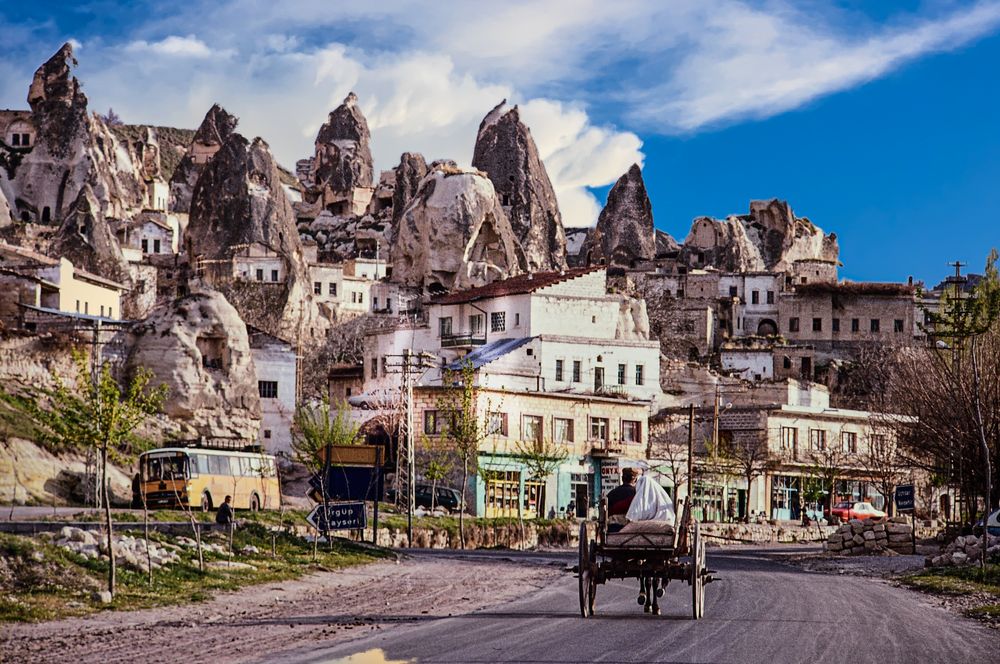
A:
(651, 502)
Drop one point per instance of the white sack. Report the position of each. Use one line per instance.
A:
(651, 502)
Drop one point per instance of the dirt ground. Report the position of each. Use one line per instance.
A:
(325, 608)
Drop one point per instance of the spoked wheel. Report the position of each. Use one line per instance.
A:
(697, 579)
(587, 585)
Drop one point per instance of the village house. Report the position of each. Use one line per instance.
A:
(277, 371)
(149, 233)
(54, 285)
(789, 447)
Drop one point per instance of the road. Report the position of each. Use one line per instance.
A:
(759, 611)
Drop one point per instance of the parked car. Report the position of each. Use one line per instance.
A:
(447, 498)
(846, 511)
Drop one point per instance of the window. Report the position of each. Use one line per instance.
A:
(562, 430)
(770, 297)
(621, 374)
(15, 140)
(789, 438)
(640, 379)
(274, 275)
(476, 324)
(599, 428)
(78, 306)
(86, 307)
(444, 326)
(897, 325)
(849, 442)
(385, 365)
(260, 275)
(111, 312)
(817, 324)
(787, 362)
(755, 297)
(793, 324)
(267, 433)
(631, 431)
(332, 288)
(361, 298)
(145, 246)
(102, 311)
(531, 428)
(268, 389)
(817, 439)
(497, 424)
(318, 287)
(432, 423)
(733, 291)
(517, 319)
(559, 371)
(875, 324)
(855, 325)
(835, 325)
(374, 372)
(577, 366)
(156, 246)
(498, 321)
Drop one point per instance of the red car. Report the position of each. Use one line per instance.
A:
(847, 511)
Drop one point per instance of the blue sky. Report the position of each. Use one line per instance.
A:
(877, 120)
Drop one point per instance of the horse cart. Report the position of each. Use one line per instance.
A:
(648, 551)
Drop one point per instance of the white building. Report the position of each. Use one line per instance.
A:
(542, 332)
(276, 365)
(258, 262)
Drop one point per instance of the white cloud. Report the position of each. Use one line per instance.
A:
(190, 47)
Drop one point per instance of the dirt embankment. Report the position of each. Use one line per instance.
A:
(324, 608)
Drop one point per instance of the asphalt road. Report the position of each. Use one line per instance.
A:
(759, 611)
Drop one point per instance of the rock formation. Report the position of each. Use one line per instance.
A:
(214, 130)
(198, 347)
(770, 238)
(624, 233)
(72, 149)
(148, 153)
(454, 233)
(506, 151)
(343, 158)
(86, 239)
(411, 170)
(239, 203)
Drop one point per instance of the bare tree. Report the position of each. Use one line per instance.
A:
(666, 445)
(826, 466)
(742, 453)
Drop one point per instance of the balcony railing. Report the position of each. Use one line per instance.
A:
(600, 447)
(462, 340)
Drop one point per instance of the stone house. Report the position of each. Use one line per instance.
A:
(16, 128)
(596, 435)
(276, 365)
(344, 381)
(56, 285)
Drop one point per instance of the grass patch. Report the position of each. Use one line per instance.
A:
(40, 581)
(956, 580)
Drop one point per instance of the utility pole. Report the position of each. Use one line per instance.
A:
(690, 460)
(410, 488)
(715, 421)
(957, 334)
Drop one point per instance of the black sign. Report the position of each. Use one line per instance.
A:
(349, 483)
(339, 516)
(904, 497)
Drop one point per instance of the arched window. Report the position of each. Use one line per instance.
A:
(46, 215)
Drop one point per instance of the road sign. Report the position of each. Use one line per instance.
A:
(339, 516)
(348, 483)
(351, 455)
(904, 498)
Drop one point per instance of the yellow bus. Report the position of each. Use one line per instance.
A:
(202, 478)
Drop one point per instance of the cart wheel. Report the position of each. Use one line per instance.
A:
(593, 576)
(586, 574)
(697, 574)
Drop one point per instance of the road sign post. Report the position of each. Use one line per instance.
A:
(905, 502)
(339, 516)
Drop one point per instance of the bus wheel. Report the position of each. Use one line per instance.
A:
(254, 503)
(206, 502)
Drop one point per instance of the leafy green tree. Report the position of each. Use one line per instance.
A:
(97, 414)
(438, 463)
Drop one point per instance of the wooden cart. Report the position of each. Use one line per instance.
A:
(648, 550)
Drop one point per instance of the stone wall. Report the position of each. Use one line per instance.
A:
(966, 550)
(871, 536)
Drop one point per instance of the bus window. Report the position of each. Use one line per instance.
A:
(246, 470)
(255, 466)
(197, 464)
(218, 465)
(234, 466)
(166, 467)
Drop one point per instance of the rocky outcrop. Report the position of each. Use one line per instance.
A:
(343, 158)
(215, 129)
(411, 170)
(624, 233)
(147, 151)
(770, 238)
(454, 233)
(506, 151)
(239, 206)
(198, 347)
(72, 149)
(86, 239)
